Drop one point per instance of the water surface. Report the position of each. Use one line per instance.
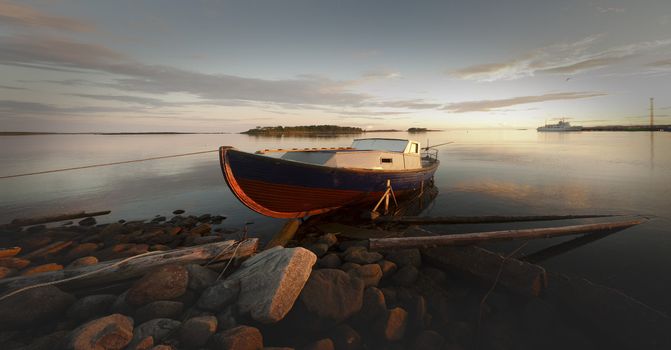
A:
(503, 172)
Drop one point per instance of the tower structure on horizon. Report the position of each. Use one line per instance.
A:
(652, 113)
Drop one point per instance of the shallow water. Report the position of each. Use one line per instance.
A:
(503, 172)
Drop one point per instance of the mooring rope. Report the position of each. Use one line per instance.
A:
(105, 164)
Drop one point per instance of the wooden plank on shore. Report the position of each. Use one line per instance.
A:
(113, 271)
(285, 235)
(429, 220)
(517, 276)
(54, 218)
(480, 237)
(352, 232)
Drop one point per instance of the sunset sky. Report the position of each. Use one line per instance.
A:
(231, 65)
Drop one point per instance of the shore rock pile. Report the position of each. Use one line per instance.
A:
(323, 293)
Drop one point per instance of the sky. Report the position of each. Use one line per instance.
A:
(227, 66)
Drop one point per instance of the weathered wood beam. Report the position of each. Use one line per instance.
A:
(436, 220)
(109, 272)
(480, 237)
(54, 218)
(285, 235)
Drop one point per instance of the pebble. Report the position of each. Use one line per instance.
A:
(329, 261)
(14, 263)
(90, 221)
(178, 212)
(359, 255)
(159, 329)
(6, 272)
(370, 274)
(159, 309)
(42, 268)
(109, 332)
(196, 331)
(321, 344)
(392, 326)
(406, 275)
(239, 338)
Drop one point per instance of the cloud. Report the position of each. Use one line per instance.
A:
(661, 63)
(26, 16)
(488, 105)
(57, 53)
(611, 9)
(11, 87)
(127, 99)
(381, 74)
(568, 58)
(407, 104)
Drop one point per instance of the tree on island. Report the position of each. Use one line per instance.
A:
(304, 129)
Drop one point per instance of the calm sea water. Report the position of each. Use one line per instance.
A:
(506, 172)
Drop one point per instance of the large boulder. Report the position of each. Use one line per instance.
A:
(271, 281)
(109, 332)
(238, 338)
(329, 297)
(200, 277)
(219, 295)
(91, 306)
(33, 306)
(164, 283)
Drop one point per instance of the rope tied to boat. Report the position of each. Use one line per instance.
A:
(106, 164)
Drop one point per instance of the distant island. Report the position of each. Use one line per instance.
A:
(28, 133)
(304, 130)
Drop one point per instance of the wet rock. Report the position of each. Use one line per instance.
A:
(90, 221)
(370, 274)
(388, 268)
(201, 229)
(81, 250)
(239, 338)
(329, 261)
(392, 326)
(348, 266)
(206, 240)
(120, 305)
(51, 341)
(84, 261)
(165, 283)
(329, 239)
(319, 249)
(109, 332)
(159, 309)
(374, 306)
(14, 263)
(219, 295)
(19, 310)
(159, 219)
(196, 331)
(204, 218)
(271, 281)
(144, 344)
(159, 329)
(321, 344)
(405, 276)
(428, 340)
(200, 277)
(91, 306)
(41, 269)
(6, 272)
(405, 257)
(178, 212)
(329, 297)
(346, 338)
(359, 255)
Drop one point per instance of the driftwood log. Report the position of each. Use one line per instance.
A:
(54, 218)
(517, 276)
(481, 237)
(110, 272)
(424, 220)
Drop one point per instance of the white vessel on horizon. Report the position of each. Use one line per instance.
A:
(563, 125)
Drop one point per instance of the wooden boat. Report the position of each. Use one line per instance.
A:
(303, 182)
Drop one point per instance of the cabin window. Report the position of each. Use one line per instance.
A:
(414, 148)
(386, 160)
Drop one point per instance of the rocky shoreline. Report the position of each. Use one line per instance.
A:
(322, 291)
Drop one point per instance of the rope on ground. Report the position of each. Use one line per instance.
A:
(106, 164)
(230, 260)
(496, 281)
(78, 276)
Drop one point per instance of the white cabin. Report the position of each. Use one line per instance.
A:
(373, 153)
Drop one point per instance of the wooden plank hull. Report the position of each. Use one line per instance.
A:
(287, 189)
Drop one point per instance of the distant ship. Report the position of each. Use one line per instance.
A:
(561, 126)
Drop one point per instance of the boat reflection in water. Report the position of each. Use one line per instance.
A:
(303, 182)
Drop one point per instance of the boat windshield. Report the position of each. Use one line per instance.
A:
(380, 145)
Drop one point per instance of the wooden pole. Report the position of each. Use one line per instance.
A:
(285, 235)
(420, 220)
(479, 237)
(113, 271)
(53, 218)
